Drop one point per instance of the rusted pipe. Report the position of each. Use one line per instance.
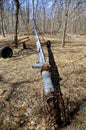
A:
(6, 52)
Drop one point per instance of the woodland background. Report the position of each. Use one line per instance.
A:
(52, 16)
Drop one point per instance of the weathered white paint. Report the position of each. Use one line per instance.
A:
(39, 49)
(48, 86)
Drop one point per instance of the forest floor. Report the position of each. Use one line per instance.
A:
(21, 86)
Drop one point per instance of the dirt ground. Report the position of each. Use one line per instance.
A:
(21, 86)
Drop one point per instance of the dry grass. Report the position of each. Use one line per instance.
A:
(21, 87)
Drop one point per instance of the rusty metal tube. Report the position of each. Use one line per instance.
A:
(6, 52)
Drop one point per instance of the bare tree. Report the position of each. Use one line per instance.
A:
(44, 15)
(2, 17)
(65, 20)
(68, 16)
(16, 24)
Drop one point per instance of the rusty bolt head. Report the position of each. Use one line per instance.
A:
(45, 67)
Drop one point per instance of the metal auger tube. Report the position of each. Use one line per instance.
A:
(51, 97)
(48, 86)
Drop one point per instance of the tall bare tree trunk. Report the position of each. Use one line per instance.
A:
(44, 16)
(66, 10)
(28, 11)
(2, 18)
(64, 28)
(16, 25)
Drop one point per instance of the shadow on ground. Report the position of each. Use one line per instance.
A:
(14, 86)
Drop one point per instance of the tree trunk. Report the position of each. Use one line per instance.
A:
(66, 10)
(2, 20)
(16, 24)
(44, 16)
(64, 29)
